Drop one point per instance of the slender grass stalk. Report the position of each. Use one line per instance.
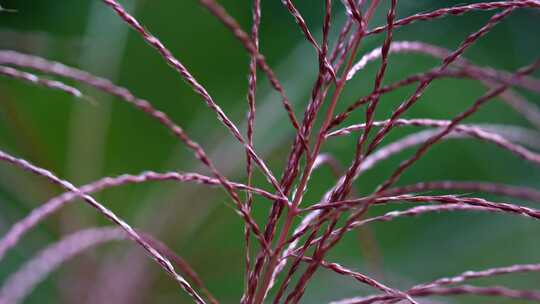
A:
(34, 79)
(11, 238)
(17, 287)
(159, 258)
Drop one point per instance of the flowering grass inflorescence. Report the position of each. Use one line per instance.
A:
(294, 241)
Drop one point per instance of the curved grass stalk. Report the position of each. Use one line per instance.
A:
(36, 80)
(20, 284)
(159, 258)
(470, 130)
(37, 215)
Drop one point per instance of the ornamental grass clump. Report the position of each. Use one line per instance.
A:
(284, 251)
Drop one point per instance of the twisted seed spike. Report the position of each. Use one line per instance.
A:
(193, 83)
(21, 227)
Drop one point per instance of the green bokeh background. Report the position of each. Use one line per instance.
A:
(83, 142)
